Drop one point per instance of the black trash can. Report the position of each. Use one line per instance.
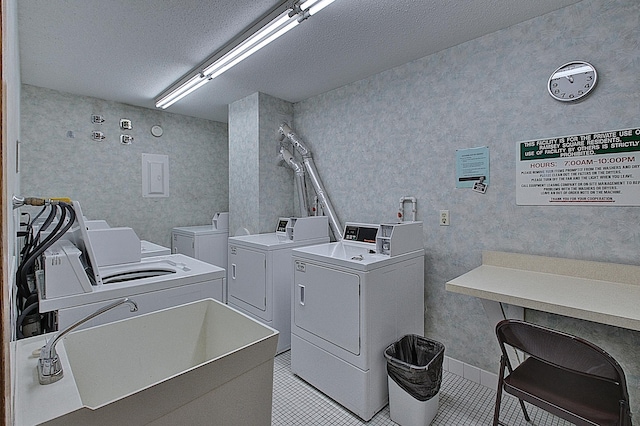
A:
(414, 368)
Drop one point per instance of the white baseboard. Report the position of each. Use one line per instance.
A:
(470, 372)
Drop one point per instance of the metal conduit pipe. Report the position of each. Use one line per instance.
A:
(286, 132)
(307, 158)
(287, 158)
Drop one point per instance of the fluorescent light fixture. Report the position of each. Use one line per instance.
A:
(273, 25)
(315, 6)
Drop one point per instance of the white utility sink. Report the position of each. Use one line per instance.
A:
(198, 363)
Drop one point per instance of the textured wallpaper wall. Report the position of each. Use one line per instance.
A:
(244, 179)
(395, 134)
(59, 158)
(260, 190)
(276, 181)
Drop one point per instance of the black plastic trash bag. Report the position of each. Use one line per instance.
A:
(415, 364)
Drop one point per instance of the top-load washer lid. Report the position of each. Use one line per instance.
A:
(84, 245)
(150, 274)
(139, 272)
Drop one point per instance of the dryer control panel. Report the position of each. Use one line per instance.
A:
(399, 238)
(361, 233)
(303, 228)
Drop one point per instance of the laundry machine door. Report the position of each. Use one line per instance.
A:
(247, 277)
(327, 304)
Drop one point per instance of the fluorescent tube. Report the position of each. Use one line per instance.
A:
(254, 43)
(253, 49)
(181, 92)
(315, 6)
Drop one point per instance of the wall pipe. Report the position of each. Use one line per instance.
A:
(307, 158)
(287, 158)
(401, 214)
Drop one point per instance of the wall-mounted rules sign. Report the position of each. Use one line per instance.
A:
(601, 169)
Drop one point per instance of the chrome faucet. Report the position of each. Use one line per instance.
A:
(49, 365)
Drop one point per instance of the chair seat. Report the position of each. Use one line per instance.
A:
(563, 393)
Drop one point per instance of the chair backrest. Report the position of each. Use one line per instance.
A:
(560, 349)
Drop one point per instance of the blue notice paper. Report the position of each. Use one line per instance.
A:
(472, 168)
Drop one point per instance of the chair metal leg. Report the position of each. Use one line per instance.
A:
(496, 413)
(524, 411)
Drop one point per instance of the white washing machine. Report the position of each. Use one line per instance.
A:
(260, 276)
(96, 265)
(351, 299)
(203, 242)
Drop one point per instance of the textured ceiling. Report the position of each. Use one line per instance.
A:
(131, 50)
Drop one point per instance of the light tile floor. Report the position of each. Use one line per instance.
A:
(462, 403)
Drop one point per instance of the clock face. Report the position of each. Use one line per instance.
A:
(572, 81)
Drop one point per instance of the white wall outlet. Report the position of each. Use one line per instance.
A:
(444, 217)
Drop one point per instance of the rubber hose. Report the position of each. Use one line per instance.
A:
(55, 236)
(21, 318)
(39, 249)
(22, 287)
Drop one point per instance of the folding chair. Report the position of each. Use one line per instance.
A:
(564, 375)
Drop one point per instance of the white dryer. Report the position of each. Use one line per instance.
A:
(259, 272)
(351, 299)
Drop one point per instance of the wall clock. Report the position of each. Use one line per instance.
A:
(573, 81)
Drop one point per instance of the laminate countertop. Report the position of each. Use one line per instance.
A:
(602, 292)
